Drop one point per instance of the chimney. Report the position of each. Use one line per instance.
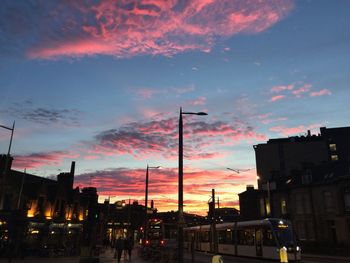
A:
(152, 204)
(72, 169)
(308, 133)
(250, 187)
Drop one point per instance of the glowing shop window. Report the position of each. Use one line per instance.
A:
(334, 157)
(333, 147)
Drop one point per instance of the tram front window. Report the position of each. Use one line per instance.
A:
(284, 233)
(285, 237)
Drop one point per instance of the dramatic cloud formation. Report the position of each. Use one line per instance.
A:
(127, 184)
(26, 111)
(37, 160)
(159, 138)
(128, 27)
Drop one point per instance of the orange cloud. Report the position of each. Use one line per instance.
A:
(129, 28)
(163, 186)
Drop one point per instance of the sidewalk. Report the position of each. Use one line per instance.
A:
(105, 257)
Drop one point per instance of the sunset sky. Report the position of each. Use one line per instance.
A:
(101, 83)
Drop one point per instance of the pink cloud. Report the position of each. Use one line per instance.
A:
(287, 131)
(151, 27)
(145, 93)
(322, 92)
(159, 138)
(277, 97)
(198, 101)
(304, 89)
(37, 160)
(267, 118)
(278, 89)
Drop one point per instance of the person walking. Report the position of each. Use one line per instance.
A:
(129, 245)
(119, 247)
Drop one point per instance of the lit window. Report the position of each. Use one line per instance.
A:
(268, 209)
(334, 157)
(333, 147)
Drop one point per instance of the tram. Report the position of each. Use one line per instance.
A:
(157, 245)
(259, 239)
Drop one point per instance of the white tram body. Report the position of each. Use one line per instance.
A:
(259, 238)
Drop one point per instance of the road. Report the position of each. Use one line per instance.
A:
(206, 258)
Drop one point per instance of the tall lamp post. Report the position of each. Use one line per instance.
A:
(181, 222)
(146, 195)
(2, 194)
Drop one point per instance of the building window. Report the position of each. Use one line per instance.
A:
(283, 206)
(334, 157)
(347, 200)
(333, 147)
(303, 205)
(328, 201)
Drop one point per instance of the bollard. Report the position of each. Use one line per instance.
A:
(217, 259)
(283, 255)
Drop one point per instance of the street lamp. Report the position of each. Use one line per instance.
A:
(238, 170)
(180, 202)
(146, 195)
(6, 163)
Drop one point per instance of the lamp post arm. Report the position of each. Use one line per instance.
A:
(12, 130)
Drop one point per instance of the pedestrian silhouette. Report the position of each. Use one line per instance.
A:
(119, 247)
(129, 245)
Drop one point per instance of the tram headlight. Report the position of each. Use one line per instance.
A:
(297, 248)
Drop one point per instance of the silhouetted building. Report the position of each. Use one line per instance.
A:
(225, 214)
(278, 159)
(249, 203)
(42, 214)
(123, 219)
(306, 180)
